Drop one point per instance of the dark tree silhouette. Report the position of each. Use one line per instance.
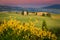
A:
(43, 14)
(27, 13)
(36, 13)
(49, 15)
(44, 26)
(22, 12)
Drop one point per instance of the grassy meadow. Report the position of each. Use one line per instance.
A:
(53, 22)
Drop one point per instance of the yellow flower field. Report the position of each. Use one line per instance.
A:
(16, 30)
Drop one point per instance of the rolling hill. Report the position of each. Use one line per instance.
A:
(52, 9)
(55, 6)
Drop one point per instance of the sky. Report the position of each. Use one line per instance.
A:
(29, 3)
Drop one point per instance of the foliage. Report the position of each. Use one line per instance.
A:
(43, 14)
(22, 12)
(16, 30)
(49, 15)
(56, 31)
(44, 26)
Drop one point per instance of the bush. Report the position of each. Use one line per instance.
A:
(43, 14)
(44, 25)
(49, 15)
(56, 31)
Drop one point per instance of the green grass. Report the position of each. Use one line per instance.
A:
(50, 21)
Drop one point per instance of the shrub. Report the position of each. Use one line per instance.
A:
(49, 15)
(44, 25)
(43, 14)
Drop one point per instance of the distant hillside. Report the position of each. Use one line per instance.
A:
(51, 9)
(56, 6)
(9, 8)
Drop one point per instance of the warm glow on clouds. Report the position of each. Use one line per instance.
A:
(32, 2)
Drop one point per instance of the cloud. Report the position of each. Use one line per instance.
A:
(32, 2)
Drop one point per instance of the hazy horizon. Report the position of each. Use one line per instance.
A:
(29, 3)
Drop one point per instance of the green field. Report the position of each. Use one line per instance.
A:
(52, 22)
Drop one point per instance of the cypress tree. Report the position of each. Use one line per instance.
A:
(44, 26)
